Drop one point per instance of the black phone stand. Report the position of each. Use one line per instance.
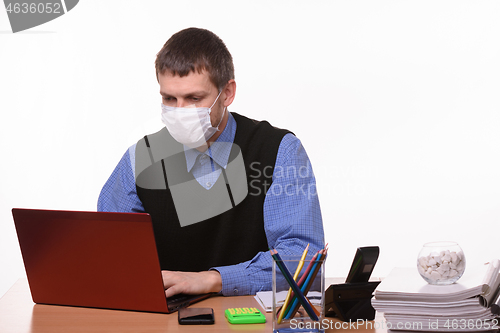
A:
(350, 301)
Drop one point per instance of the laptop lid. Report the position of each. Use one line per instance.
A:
(93, 259)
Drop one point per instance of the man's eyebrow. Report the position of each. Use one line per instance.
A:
(200, 93)
(165, 94)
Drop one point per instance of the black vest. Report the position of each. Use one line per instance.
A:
(229, 238)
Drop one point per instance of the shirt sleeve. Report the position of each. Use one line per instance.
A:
(292, 219)
(119, 193)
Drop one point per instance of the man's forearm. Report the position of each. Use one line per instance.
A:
(191, 282)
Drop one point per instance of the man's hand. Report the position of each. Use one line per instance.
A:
(191, 282)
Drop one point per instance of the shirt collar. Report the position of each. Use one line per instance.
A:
(218, 152)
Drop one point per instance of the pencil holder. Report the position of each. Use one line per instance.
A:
(291, 311)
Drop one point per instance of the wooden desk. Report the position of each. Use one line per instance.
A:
(19, 314)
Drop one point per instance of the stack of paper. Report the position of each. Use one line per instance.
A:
(409, 303)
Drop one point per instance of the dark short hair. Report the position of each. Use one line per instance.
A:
(194, 49)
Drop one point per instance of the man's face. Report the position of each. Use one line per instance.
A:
(193, 90)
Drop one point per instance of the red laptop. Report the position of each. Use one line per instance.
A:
(94, 259)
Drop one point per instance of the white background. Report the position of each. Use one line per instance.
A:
(396, 102)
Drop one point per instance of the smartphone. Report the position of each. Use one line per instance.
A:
(363, 264)
(196, 316)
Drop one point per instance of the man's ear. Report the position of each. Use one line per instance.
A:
(229, 92)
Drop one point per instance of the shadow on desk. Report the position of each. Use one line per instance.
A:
(54, 318)
(59, 319)
(18, 314)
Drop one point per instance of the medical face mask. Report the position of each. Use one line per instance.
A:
(190, 126)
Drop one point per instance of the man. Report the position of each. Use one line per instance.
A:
(212, 233)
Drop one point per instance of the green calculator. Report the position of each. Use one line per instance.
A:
(245, 316)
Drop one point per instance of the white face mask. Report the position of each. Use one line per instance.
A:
(190, 126)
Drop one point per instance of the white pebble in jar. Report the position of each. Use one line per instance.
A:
(441, 262)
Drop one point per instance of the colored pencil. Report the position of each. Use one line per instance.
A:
(301, 282)
(307, 284)
(293, 285)
(295, 276)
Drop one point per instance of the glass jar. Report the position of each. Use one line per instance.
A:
(441, 263)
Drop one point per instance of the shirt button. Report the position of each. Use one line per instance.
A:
(235, 291)
(209, 184)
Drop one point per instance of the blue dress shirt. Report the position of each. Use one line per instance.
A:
(292, 215)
